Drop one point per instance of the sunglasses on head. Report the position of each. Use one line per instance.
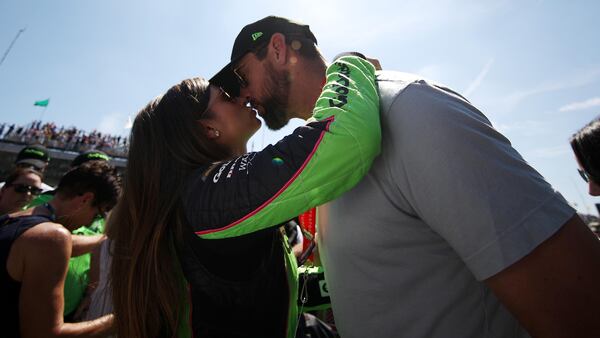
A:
(24, 188)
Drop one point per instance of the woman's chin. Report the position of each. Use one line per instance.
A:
(258, 124)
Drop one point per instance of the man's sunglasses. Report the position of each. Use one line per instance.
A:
(24, 188)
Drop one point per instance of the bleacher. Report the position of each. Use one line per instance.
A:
(63, 145)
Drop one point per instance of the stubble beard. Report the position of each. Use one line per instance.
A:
(276, 103)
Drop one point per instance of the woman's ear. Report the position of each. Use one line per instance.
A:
(209, 129)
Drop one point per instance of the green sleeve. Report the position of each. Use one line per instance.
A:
(316, 164)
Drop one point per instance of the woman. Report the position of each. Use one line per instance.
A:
(20, 187)
(184, 213)
(586, 146)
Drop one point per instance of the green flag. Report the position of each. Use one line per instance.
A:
(43, 103)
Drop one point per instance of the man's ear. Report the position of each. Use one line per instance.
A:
(278, 49)
(87, 197)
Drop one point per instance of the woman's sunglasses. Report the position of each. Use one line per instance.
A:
(24, 188)
(586, 177)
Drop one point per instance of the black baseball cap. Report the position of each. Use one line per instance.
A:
(250, 38)
(90, 155)
(35, 155)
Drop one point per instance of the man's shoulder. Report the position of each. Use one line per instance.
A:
(402, 92)
(44, 246)
(392, 84)
(396, 76)
(45, 235)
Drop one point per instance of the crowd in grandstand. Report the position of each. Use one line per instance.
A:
(66, 138)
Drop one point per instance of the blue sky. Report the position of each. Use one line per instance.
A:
(532, 66)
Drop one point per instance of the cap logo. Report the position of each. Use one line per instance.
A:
(98, 156)
(34, 152)
(256, 35)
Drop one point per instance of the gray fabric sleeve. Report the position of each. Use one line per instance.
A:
(467, 182)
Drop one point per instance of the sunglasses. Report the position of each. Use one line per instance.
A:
(585, 176)
(24, 188)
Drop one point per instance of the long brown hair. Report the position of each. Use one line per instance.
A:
(166, 144)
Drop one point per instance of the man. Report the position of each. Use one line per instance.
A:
(451, 234)
(19, 189)
(35, 247)
(85, 239)
(34, 157)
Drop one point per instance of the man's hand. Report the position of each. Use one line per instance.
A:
(83, 244)
(373, 61)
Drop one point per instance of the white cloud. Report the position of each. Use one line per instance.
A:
(578, 80)
(129, 123)
(528, 128)
(113, 123)
(430, 72)
(551, 152)
(400, 20)
(593, 102)
(477, 82)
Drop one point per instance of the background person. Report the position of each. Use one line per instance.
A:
(35, 157)
(19, 188)
(35, 247)
(451, 234)
(85, 239)
(586, 147)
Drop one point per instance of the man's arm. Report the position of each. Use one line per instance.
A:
(553, 291)
(83, 244)
(314, 165)
(47, 248)
(506, 223)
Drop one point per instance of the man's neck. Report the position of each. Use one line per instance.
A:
(306, 86)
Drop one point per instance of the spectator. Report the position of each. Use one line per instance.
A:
(35, 246)
(35, 157)
(19, 188)
(70, 138)
(586, 147)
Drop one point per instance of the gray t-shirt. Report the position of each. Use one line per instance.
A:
(447, 204)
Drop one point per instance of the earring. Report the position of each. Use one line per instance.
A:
(217, 134)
